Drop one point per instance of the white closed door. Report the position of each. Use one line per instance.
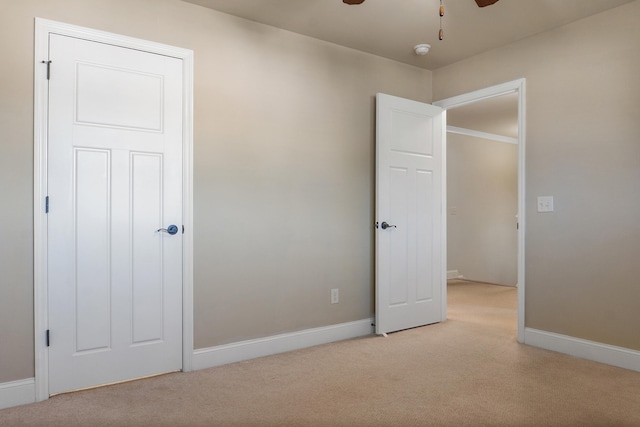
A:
(409, 222)
(114, 179)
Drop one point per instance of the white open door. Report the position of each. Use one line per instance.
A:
(409, 221)
(114, 184)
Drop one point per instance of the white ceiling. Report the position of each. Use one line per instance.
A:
(390, 28)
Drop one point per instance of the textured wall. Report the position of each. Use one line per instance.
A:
(284, 168)
(583, 123)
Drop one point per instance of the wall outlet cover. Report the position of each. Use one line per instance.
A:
(545, 203)
(335, 296)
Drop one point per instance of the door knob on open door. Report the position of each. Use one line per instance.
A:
(172, 229)
(384, 225)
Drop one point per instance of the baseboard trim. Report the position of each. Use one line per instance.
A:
(453, 274)
(251, 349)
(14, 393)
(590, 350)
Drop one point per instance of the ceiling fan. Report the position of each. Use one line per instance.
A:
(480, 3)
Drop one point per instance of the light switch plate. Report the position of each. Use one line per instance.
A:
(545, 203)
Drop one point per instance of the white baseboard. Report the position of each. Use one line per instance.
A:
(16, 393)
(251, 349)
(453, 274)
(590, 350)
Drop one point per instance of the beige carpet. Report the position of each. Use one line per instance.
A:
(468, 370)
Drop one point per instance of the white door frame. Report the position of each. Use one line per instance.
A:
(43, 28)
(515, 86)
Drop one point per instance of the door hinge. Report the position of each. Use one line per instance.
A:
(47, 337)
(46, 204)
(48, 64)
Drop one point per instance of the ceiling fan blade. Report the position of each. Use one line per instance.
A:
(483, 3)
(353, 1)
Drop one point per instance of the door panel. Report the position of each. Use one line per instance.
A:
(131, 99)
(114, 174)
(409, 267)
(425, 233)
(146, 194)
(398, 241)
(93, 223)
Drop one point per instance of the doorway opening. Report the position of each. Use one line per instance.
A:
(484, 201)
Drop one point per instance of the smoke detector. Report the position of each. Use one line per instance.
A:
(422, 49)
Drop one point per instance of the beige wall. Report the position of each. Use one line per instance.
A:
(284, 140)
(284, 168)
(583, 147)
(482, 200)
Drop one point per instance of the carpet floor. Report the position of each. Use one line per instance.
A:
(469, 370)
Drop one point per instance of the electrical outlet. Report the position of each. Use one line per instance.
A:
(335, 296)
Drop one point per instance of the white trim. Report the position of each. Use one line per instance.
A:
(40, 295)
(187, 211)
(584, 349)
(453, 274)
(443, 215)
(43, 28)
(14, 393)
(516, 86)
(522, 132)
(483, 135)
(480, 94)
(251, 349)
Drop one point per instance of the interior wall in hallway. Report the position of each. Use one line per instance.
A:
(482, 203)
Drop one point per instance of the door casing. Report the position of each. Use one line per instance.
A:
(43, 28)
(515, 86)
